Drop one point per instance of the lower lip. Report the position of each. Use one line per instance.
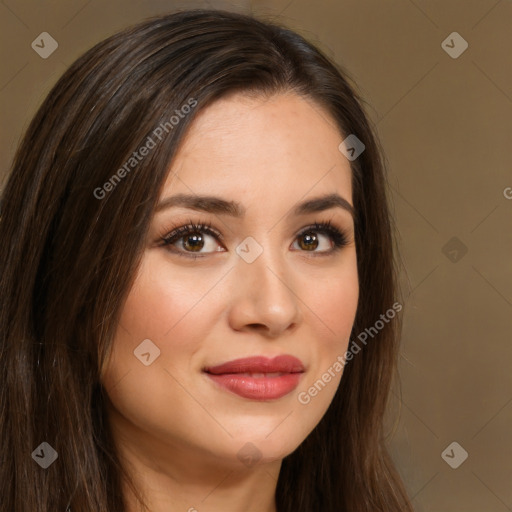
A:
(258, 388)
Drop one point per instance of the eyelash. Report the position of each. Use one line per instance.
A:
(339, 237)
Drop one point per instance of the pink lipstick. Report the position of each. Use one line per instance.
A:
(258, 378)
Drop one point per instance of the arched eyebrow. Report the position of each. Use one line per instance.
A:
(219, 206)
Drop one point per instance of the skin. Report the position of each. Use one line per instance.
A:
(177, 432)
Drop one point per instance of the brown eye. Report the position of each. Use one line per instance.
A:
(193, 242)
(308, 241)
(190, 240)
(199, 240)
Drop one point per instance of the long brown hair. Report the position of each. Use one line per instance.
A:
(68, 259)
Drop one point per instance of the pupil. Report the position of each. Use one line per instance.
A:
(197, 242)
(311, 241)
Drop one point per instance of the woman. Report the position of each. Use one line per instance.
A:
(194, 232)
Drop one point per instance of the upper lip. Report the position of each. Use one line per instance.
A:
(259, 364)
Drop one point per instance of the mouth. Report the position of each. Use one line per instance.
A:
(258, 378)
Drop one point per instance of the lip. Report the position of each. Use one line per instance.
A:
(271, 379)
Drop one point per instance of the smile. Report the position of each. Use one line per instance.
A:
(258, 378)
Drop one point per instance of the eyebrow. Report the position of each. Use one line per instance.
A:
(219, 206)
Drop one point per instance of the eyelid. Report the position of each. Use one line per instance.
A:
(177, 233)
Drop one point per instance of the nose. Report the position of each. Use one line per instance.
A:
(263, 297)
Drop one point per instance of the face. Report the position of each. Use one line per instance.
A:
(254, 278)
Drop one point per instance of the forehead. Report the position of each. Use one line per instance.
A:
(283, 147)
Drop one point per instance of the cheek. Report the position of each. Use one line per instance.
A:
(332, 309)
(150, 310)
(164, 306)
(332, 303)
(157, 301)
(336, 306)
(167, 310)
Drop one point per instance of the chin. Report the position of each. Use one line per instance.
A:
(260, 448)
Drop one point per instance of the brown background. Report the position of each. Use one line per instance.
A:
(446, 128)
